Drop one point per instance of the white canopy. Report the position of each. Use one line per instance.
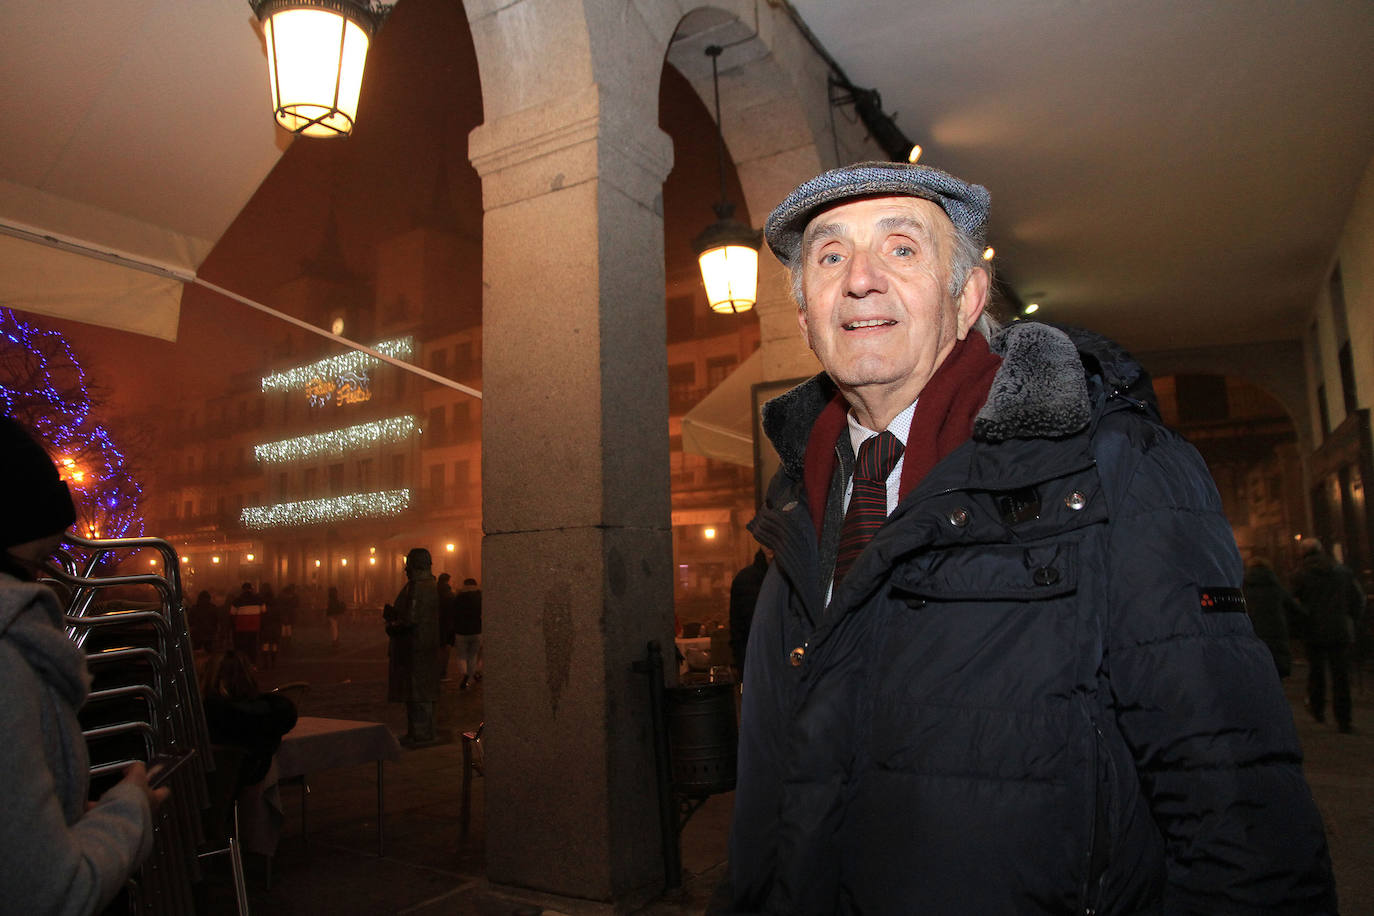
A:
(138, 129)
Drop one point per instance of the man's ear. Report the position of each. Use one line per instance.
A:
(801, 323)
(973, 298)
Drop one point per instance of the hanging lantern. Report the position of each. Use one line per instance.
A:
(727, 250)
(728, 254)
(316, 51)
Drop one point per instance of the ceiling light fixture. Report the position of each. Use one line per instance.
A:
(316, 52)
(727, 250)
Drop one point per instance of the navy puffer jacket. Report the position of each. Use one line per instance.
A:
(1036, 690)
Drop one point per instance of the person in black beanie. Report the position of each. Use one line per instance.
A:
(59, 854)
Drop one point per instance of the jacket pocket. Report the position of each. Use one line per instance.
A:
(991, 572)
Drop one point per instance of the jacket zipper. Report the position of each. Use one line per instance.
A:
(1097, 843)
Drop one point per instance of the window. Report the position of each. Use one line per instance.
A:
(283, 484)
(463, 426)
(336, 478)
(188, 509)
(364, 481)
(717, 368)
(437, 431)
(398, 470)
(682, 380)
(681, 318)
(436, 484)
(438, 361)
(312, 478)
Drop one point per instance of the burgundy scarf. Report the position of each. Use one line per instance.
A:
(943, 421)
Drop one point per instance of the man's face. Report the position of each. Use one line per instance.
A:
(875, 282)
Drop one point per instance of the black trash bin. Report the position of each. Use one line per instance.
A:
(703, 738)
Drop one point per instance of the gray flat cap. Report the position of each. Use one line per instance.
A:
(965, 204)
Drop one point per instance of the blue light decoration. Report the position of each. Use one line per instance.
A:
(43, 386)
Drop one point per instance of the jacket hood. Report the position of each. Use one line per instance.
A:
(31, 619)
(1042, 389)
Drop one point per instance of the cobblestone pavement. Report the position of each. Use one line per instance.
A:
(430, 868)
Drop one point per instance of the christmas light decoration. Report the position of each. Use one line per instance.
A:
(43, 386)
(344, 365)
(332, 509)
(338, 441)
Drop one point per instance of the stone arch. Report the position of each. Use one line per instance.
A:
(775, 106)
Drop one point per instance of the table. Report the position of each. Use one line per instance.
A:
(318, 743)
(315, 744)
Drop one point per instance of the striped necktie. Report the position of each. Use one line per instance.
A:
(867, 511)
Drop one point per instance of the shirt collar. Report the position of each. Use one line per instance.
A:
(899, 427)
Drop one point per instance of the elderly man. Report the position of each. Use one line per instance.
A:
(1001, 663)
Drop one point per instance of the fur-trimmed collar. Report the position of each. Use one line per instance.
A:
(1041, 391)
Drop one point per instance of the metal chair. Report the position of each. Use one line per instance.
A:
(221, 820)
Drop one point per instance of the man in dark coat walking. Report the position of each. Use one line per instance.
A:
(412, 623)
(1270, 608)
(1333, 605)
(744, 593)
(1000, 663)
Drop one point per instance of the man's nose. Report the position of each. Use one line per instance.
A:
(865, 275)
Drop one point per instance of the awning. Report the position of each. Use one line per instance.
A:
(137, 129)
(721, 425)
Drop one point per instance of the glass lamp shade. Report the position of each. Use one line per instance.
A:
(730, 274)
(316, 50)
(728, 253)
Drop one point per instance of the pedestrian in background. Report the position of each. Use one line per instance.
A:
(1270, 608)
(467, 628)
(290, 607)
(448, 611)
(269, 635)
(412, 624)
(1333, 605)
(246, 612)
(333, 610)
(744, 594)
(202, 619)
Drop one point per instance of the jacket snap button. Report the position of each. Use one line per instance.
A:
(790, 506)
(1075, 500)
(797, 655)
(958, 517)
(1046, 575)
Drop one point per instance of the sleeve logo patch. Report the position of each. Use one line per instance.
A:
(1217, 600)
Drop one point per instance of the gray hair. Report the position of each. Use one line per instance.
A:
(966, 257)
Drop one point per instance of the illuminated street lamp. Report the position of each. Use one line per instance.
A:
(727, 250)
(316, 52)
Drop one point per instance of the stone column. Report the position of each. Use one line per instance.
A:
(577, 556)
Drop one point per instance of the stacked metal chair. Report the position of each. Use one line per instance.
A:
(145, 701)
